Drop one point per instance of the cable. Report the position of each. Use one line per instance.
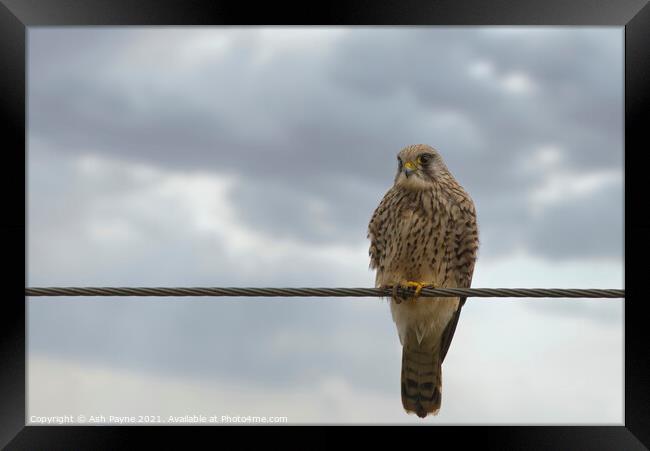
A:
(326, 292)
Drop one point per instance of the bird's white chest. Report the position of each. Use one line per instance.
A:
(424, 317)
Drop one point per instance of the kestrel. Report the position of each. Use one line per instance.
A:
(424, 232)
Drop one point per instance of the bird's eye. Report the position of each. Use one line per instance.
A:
(424, 158)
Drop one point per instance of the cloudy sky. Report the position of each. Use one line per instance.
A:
(255, 156)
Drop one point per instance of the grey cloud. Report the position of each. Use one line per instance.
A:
(574, 227)
(579, 75)
(339, 114)
(273, 343)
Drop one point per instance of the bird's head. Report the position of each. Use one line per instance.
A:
(418, 167)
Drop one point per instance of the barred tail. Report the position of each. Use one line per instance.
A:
(421, 379)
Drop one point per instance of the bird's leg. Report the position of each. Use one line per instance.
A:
(410, 284)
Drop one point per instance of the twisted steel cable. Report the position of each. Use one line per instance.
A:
(325, 292)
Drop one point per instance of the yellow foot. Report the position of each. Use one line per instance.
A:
(410, 284)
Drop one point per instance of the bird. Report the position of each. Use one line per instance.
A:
(424, 232)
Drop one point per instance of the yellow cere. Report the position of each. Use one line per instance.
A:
(409, 165)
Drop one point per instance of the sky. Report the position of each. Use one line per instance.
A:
(255, 156)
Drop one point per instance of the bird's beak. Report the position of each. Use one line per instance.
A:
(409, 168)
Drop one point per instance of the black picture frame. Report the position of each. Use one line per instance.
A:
(17, 15)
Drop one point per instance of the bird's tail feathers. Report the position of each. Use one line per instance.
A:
(421, 379)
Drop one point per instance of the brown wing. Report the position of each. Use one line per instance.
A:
(448, 334)
(376, 232)
(466, 249)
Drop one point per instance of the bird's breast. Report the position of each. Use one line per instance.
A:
(418, 243)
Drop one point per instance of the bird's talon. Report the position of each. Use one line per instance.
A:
(418, 287)
(412, 287)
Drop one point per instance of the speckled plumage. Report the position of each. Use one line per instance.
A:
(424, 230)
